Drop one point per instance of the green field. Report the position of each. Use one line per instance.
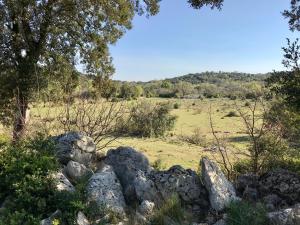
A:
(192, 114)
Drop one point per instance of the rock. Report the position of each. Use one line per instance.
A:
(62, 182)
(140, 182)
(186, 184)
(76, 171)
(246, 181)
(81, 219)
(49, 221)
(75, 146)
(221, 191)
(250, 194)
(105, 189)
(290, 216)
(146, 208)
(145, 188)
(220, 222)
(272, 202)
(283, 183)
(132, 168)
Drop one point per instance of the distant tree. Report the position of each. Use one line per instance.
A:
(130, 91)
(105, 87)
(166, 84)
(183, 88)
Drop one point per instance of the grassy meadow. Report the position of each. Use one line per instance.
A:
(193, 115)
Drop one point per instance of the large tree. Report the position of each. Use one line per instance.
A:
(36, 34)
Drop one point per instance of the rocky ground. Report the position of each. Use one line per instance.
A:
(124, 183)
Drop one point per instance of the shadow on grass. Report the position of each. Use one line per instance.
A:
(243, 138)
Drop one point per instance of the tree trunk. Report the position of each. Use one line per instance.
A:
(22, 117)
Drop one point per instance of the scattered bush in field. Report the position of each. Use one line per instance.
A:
(232, 114)
(150, 120)
(266, 140)
(176, 105)
(171, 208)
(197, 138)
(247, 104)
(245, 213)
(158, 165)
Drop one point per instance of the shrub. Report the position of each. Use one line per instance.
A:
(232, 114)
(158, 165)
(25, 181)
(245, 213)
(197, 138)
(176, 105)
(171, 208)
(150, 120)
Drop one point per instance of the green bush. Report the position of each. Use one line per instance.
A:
(28, 188)
(150, 120)
(25, 181)
(176, 105)
(245, 213)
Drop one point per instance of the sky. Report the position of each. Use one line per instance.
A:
(245, 36)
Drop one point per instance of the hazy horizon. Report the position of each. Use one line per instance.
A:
(180, 40)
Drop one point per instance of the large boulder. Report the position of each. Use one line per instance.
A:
(290, 216)
(49, 221)
(62, 182)
(105, 189)
(221, 191)
(132, 169)
(185, 183)
(76, 171)
(146, 208)
(81, 219)
(283, 183)
(75, 146)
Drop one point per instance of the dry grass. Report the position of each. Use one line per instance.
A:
(192, 114)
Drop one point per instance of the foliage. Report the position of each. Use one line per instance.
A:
(46, 36)
(158, 165)
(171, 209)
(176, 105)
(287, 84)
(29, 189)
(25, 181)
(293, 15)
(105, 87)
(266, 140)
(130, 91)
(150, 120)
(245, 213)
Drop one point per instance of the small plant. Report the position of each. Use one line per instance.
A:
(197, 138)
(232, 114)
(172, 209)
(176, 105)
(158, 165)
(245, 213)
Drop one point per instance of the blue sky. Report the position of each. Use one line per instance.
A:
(245, 36)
